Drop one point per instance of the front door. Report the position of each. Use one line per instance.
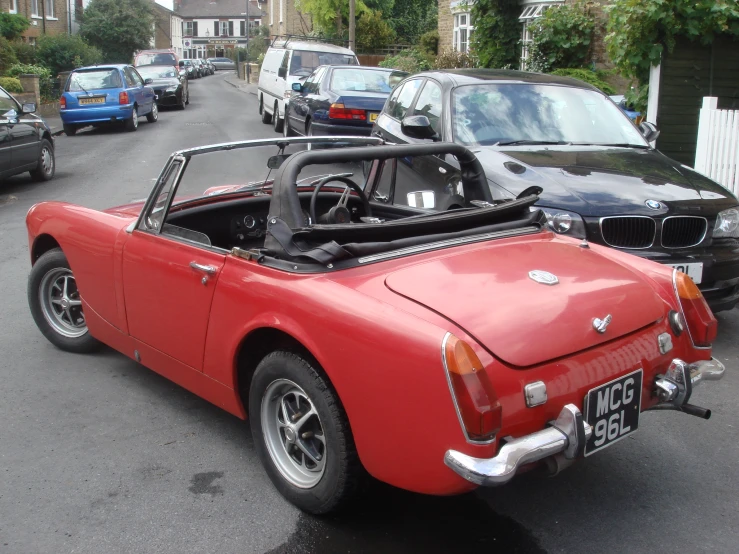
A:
(24, 139)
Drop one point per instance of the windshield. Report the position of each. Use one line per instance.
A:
(303, 62)
(156, 59)
(365, 80)
(495, 113)
(94, 80)
(157, 72)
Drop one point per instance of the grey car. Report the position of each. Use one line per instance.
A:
(223, 63)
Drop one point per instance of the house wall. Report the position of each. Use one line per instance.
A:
(292, 21)
(49, 23)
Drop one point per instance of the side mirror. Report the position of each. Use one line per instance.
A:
(183, 73)
(649, 130)
(282, 72)
(297, 87)
(30, 107)
(274, 162)
(418, 127)
(148, 81)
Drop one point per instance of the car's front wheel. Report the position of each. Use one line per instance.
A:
(56, 305)
(153, 115)
(302, 434)
(46, 163)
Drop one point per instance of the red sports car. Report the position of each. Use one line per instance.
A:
(434, 351)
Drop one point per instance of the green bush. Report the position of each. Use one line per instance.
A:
(590, 77)
(497, 36)
(561, 38)
(11, 84)
(411, 61)
(7, 55)
(451, 59)
(373, 32)
(12, 26)
(429, 42)
(26, 53)
(46, 80)
(65, 52)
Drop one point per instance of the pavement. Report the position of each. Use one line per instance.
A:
(100, 455)
(233, 79)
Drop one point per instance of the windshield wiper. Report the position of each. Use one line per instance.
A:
(614, 144)
(528, 141)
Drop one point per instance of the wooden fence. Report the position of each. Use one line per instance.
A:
(717, 152)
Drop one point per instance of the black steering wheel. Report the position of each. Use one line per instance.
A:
(339, 213)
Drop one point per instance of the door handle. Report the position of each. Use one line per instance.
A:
(209, 269)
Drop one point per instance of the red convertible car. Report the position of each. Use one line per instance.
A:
(433, 351)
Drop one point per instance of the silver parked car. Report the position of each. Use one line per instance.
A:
(223, 63)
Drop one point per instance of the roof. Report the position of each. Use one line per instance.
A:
(312, 46)
(472, 76)
(217, 8)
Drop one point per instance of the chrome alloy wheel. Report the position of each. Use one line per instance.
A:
(61, 304)
(293, 433)
(47, 161)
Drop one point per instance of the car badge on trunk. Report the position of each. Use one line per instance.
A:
(543, 277)
(654, 204)
(601, 325)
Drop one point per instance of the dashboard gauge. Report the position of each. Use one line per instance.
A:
(249, 221)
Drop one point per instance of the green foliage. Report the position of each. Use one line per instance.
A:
(25, 52)
(429, 42)
(590, 77)
(7, 54)
(411, 19)
(324, 14)
(562, 37)
(65, 52)
(11, 84)
(46, 80)
(451, 59)
(13, 25)
(373, 32)
(118, 27)
(497, 32)
(638, 97)
(411, 60)
(640, 31)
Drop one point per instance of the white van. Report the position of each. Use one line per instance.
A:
(290, 61)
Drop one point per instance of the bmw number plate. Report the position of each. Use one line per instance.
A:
(693, 270)
(613, 411)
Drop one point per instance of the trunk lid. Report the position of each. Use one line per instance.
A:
(488, 292)
(370, 101)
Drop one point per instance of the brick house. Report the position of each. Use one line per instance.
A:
(167, 29)
(213, 28)
(283, 18)
(456, 25)
(46, 16)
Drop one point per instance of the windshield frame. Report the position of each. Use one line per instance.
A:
(452, 117)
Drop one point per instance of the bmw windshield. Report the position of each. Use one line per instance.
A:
(514, 114)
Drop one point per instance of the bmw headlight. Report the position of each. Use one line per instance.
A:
(172, 88)
(727, 224)
(563, 222)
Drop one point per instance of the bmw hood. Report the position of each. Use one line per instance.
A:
(601, 181)
(488, 292)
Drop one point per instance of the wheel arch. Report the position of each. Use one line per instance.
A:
(41, 245)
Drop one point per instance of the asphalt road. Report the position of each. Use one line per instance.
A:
(98, 454)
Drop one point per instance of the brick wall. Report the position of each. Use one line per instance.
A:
(52, 24)
(446, 26)
(293, 22)
(162, 28)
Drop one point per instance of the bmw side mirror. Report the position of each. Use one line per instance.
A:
(30, 107)
(282, 72)
(148, 81)
(418, 127)
(649, 130)
(297, 87)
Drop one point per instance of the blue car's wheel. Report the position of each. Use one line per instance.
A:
(153, 115)
(132, 123)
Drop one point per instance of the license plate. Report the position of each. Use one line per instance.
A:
(100, 100)
(373, 117)
(693, 270)
(613, 411)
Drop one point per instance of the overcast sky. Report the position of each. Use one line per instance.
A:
(165, 3)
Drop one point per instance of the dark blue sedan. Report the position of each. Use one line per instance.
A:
(339, 100)
(104, 94)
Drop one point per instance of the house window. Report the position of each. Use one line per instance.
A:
(13, 8)
(529, 13)
(49, 9)
(271, 12)
(34, 8)
(223, 28)
(189, 28)
(462, 30)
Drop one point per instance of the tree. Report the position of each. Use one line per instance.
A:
(64, 52)
(373, 32)
(562, 38)
(412, 18)
(118, 27)
(12, 26)
(329, 16)
(497, 32)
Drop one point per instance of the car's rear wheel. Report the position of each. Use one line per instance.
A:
(153, 115)
(132, 123)
(266, 116)
(276, 119)
(46, 163)
(56, 305)
(261, 105)
(302, 434)
(70, 130)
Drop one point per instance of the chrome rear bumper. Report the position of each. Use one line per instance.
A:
(569, 433)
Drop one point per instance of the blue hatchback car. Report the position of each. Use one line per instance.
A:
(104, 94)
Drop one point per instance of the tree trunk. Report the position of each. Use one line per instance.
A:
(339, 30)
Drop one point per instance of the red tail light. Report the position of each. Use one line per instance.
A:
(123, 98)
(63, 103)
(338, 111)
(702, 326)
(479, 411)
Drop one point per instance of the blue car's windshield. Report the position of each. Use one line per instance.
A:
(365, 80)
(94, 79)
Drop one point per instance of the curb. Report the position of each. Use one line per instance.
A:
(239, 86)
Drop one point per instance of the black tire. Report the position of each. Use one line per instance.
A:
(261, 105)
(286, 129)
(132, 123)
(70, 130)
(343, 472)
(181, 104)
(46, 162)
(276, 120)
(187, 100)
(55, 261)
(266, 117)
(153, 115)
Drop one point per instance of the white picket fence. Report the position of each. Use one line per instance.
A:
(717, 150)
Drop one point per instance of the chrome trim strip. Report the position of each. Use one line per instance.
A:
(682, 313)
(367, 141)
(600, 227)
(447, 244)
(662, 231)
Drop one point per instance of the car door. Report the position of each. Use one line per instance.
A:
(169, 283)
(8, 113)
(297, 109)
(145, 94)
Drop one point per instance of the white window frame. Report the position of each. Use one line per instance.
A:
(271, 12)
(528, 14)
(189, 28)
(462, 22)
(223, 29)
(49, 10)
(13, 8)
(34, 9)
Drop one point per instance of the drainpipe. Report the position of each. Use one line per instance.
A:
(43, 16)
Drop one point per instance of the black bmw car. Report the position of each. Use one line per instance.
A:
(598, 176)
(171, 88)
